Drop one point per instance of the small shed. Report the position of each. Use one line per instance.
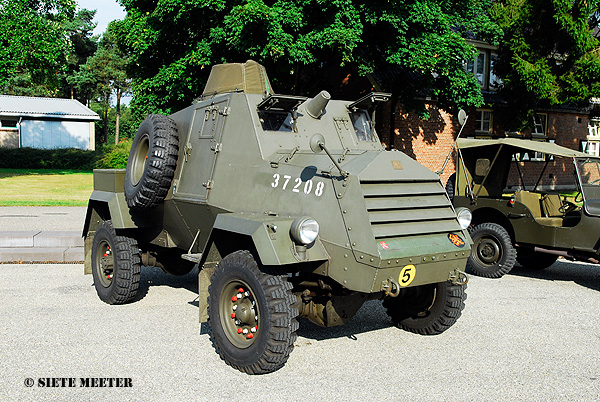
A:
(46, 123)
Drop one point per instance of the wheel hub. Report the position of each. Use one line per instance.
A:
(488, 251)
(105, 264)
(240, 314)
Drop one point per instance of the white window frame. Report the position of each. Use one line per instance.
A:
(593, 138)
(540, 124)
(480, 121)
(472, 67)
(494, 81)
(15, 127)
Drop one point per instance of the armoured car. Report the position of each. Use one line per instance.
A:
(531, 202)
(289, 206)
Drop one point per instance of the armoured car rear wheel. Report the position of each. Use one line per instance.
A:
(427, 309)
(493, 253)
(252, 315)
(530, 259)
(152, 162)
(115, 265)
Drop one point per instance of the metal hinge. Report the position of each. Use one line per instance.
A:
(187, 151)
(343, 157)
(218, 147)
(226, 111)
(208, 184)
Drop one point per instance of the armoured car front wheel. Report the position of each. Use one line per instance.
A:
(252, 315)
(493, 253)
(152, 162)
(427, 309)
(116, 265)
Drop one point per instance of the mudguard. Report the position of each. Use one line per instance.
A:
(112, 203)
(271, 237)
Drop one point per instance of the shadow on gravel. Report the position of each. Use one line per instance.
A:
(370, 317)
(587, 275)
(153, 276)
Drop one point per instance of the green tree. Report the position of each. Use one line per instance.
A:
(550, 54)
(33, 46)
(82, 46)
(103, 77)
(306, 45)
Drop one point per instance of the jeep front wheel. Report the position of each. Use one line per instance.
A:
(427, 309)
(252, 315)
(116, 265)
(493, 253)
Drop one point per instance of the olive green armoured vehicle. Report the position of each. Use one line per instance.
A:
(290, 207)
(532, 212)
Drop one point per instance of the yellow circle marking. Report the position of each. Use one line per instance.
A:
(407, 275)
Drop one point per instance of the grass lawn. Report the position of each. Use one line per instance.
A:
(45, 187)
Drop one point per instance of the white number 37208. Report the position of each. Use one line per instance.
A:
(286, 182)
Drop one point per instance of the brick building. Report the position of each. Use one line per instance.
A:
(430, 141)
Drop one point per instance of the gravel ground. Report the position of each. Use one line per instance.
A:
(530, 336)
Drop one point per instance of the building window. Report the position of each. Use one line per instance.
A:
(477, 67)
(593, 138)
(592, 148)
(6, 123)
(495, 82)
(483, 122)
(539, 125)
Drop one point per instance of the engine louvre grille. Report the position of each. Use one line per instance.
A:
(408, 208)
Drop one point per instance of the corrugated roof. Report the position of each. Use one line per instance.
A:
(25, 106)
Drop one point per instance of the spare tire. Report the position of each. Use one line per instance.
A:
(152, 162)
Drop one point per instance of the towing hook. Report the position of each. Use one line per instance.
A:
(391, 288)
(458, 277)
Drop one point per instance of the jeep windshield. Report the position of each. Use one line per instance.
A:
(588, 170)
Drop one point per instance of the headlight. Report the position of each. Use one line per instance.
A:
(304, 230)
(464, 217)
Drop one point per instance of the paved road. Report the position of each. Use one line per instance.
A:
(42, 218)
(521, 338)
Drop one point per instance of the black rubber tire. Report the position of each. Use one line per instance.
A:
(116, 279)
(427, 309)
(173, 264)
(493, 254)
(273, 312)
(530, 259)
(450, 184)
(152, 162)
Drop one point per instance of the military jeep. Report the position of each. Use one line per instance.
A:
(289, 206)
(531, 202)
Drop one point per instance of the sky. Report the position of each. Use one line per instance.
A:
(106, 11)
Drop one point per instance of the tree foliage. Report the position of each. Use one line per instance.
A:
(82, 45)
(103, 76)
(33, 46)
(306, 45)
(550, 53)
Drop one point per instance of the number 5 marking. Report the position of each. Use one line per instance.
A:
(407, 275)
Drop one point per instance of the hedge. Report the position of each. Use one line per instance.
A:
(70, 158)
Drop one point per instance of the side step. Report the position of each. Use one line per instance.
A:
(192, 257)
